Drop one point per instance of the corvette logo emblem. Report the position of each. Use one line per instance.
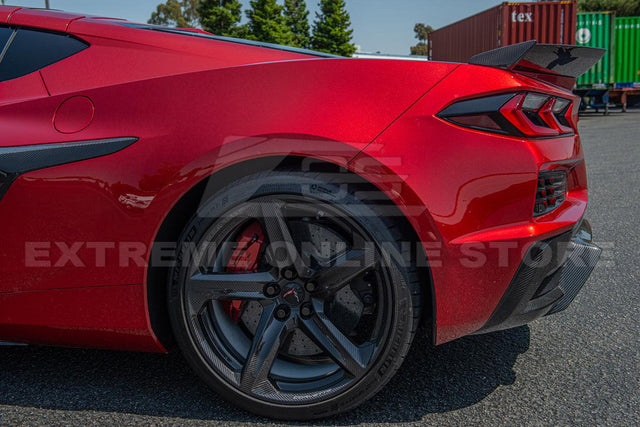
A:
(294, 295)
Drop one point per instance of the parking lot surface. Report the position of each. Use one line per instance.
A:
(581, 366)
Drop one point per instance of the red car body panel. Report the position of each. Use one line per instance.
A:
(484, 200)
(6, 12)
(199, 106)
(38, 18)
(110, 317)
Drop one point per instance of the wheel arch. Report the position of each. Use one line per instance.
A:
(182, 211)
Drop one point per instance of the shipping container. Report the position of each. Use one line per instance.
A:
(597, 29)
(627, 55)
(505, 24)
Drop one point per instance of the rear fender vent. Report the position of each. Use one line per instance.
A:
(551, 191)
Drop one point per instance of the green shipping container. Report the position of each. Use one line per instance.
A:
(596, 29)
(627, 56)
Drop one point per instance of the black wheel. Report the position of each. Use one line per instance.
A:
(290, 296)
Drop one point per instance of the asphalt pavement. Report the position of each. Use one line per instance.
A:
(579, 367)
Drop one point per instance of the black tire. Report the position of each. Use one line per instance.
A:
(306, 366)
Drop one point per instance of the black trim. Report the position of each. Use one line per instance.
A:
(31, 49)
(26, 158)
(550, 276)
(503, 57)
(489, 106)
(6, 179)
(484, 105)
(563, 60)
(15, 161)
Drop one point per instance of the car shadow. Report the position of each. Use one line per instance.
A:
(432, 380)
(445, 378)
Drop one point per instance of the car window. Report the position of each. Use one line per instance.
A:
(29, 50)
(5, 33)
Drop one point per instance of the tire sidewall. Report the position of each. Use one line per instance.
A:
(368, 215)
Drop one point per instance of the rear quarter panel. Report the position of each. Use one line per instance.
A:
(190, 125)
(469, 193)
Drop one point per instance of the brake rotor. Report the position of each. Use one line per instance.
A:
(345, 310)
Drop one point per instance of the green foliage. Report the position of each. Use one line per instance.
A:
(221, 17)
(421, 49)
(175, 13)
(422, 34)
(620, 7)
(296, 16)
(422, 31)
(267, 23)
(332, 31)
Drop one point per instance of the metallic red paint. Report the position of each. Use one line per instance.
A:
(74, 114)
(199, 106)
(41, 18)
(100, 316)
(471, 201)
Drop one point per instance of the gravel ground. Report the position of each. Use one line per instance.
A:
(581, 366)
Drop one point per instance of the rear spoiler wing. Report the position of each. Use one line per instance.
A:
(557, 64)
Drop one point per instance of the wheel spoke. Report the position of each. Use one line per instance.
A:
(346, 268)
(203, 287)
(352, 358)
(282, 250)
(269, 336)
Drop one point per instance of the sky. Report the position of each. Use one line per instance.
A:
(384, 26)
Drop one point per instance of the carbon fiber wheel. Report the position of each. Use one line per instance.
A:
(290, 302)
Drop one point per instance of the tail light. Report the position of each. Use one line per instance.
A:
(551, 191)
(528, 114)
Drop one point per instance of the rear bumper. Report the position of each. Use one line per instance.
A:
(551, 275)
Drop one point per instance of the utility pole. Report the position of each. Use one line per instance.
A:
(46, 4)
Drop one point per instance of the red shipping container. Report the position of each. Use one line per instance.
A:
(508, 23)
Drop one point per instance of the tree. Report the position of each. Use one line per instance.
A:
(422, 34)
(296, 16)
(620, 7)
(267, 23)
(221, 17)
(332, 31)
(175, 13)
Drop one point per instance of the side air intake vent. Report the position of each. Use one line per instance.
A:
(15, 161)
(5, 181)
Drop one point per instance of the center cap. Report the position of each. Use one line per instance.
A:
(293, 293)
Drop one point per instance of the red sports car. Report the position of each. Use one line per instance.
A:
(285, 218)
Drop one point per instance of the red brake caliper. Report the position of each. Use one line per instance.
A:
(244, 259)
